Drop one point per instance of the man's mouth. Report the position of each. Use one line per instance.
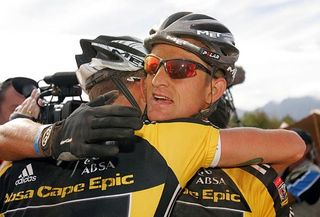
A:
(161, 98)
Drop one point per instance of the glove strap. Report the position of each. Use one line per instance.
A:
(38, 137)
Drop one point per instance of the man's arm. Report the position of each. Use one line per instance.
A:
(17, 138)
(83, 134)
(278, 147)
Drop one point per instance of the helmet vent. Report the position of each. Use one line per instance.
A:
(209, 27)
(198, 17)
(228, 51)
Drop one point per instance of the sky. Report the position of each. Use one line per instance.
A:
(279, 40)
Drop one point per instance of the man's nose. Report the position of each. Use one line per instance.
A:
(161, 78)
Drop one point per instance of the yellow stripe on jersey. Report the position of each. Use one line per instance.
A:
(4, 167)
(260, 202)
(185, 146)
(141, 197)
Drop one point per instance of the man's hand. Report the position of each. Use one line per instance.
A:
(29, 108)
(90, 131)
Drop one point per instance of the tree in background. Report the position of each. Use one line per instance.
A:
(257, 118)
(288, 120)
(260, 119)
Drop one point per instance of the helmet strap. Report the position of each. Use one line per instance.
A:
(205, 113)
(124, 90)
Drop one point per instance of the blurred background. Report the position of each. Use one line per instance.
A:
(279, 40)
(279, 43)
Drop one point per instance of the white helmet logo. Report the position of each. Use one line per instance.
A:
(209, 33)
(233, 72)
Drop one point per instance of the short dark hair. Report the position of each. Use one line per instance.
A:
(4, 87)
(106, 84)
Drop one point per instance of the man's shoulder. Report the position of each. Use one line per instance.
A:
(263, 178)
(262, 173)
(4, 167)
(246, 185)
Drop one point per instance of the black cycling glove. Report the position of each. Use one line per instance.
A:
(90, 131)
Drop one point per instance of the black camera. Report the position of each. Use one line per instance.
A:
(61, 85)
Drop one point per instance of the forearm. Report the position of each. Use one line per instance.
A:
(289, 149)
(17, 138)
(280, 148)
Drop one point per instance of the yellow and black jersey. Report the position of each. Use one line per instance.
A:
(143, 181)
(251, 191)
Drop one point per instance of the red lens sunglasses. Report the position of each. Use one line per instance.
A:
(176, 68)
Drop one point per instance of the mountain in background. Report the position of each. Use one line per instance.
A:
(297, 108)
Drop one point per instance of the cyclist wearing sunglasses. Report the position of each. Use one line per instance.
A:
(96, 66)
(191, 63)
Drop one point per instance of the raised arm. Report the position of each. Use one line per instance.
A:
(17, 136)
(243, 146)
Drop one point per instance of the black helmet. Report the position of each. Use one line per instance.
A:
(221, 116)
(222, 53)
(304, 135)
(124, 53)
(24, 85)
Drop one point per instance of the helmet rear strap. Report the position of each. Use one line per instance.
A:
(125, 91)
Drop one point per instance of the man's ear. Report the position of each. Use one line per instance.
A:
(218, 86)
